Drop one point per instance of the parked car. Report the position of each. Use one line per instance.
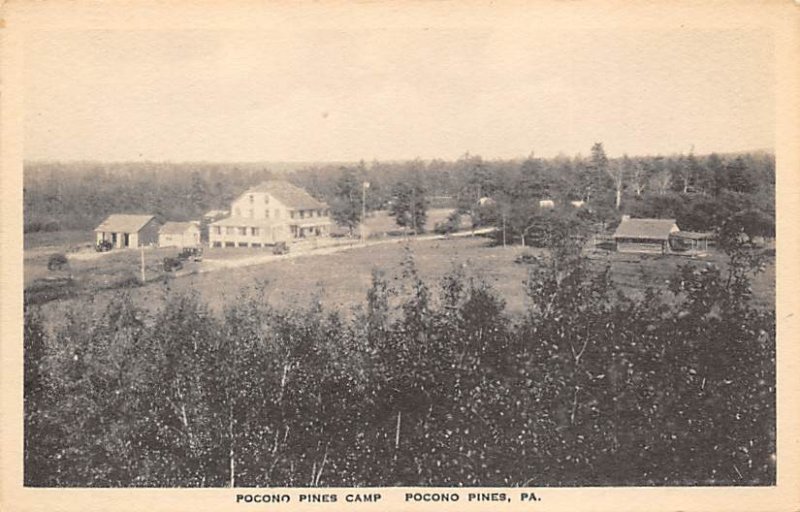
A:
(191, 253)
(103, 246)
(172, 264)
(280, 248)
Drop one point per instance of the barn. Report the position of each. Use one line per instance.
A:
(644, 235)
(179, 234)
(128, 230)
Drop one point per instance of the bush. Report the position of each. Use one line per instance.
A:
(57, 261)
(35, 226)
(450, 225)
(46, 290)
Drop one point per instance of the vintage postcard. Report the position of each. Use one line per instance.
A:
(399, 256)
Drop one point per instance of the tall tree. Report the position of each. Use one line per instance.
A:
(346, 208)
(617, 172)
(638, 178)
(409, 205)
(739, 177)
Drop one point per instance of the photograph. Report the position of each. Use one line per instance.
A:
(443, 252)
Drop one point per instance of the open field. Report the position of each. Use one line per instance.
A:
(340, 280)
(62, 240)
(379, 223)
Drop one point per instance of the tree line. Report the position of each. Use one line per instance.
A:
(700, 190)
(424, 384)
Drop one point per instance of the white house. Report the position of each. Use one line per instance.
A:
(272, 212)
(179, 234)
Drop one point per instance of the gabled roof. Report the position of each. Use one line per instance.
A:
(290, 195)
(176, 228)
(650, 229)
(123, 223)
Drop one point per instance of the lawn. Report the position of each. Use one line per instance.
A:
(341, 280)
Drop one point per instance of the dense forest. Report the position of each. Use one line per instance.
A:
(423, 385)
(701, 192)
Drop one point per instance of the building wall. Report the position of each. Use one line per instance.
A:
(189, 238)
(259, 205)
(649, 247)
(148, 235)
(245, 236)
(117, 239)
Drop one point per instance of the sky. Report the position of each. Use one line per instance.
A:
(391, 93)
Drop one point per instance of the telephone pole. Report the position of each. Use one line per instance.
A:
(141, 247)
(364, 187)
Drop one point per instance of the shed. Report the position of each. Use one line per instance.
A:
(179, 234)
(124, 230)
(690, 241)
(644, 235)
(547, 203)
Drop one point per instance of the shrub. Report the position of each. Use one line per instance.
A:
(57, 261)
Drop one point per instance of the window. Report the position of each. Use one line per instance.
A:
(250, 213)
(266, 214)
(291, 214)
(252, 198)
(218, 230)
(266, 198)
(229, 230)
(302, 214)
(254, 231)
(243, 231)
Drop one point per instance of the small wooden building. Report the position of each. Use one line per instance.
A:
(179, 234)
(128, 230)
(644, 235)
(691, 242)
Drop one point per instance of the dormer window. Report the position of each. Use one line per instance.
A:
(252, 198)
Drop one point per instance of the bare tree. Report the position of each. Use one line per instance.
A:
(638, 178)
(617, 173)
(661, 181)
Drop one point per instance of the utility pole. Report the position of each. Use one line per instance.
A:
(141, 247)
(504, 229)
(413, 209)
(364, 187)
